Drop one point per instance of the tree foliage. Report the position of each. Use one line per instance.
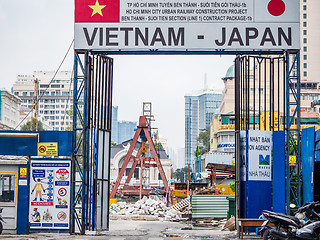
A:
(113, 143)
(157, 145)
(26, 126)
(181, 174)
(204, 140)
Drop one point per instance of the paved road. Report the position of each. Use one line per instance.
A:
(135, 230)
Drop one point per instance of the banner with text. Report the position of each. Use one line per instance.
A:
(49, 194)
(259, 155)
(186, 25)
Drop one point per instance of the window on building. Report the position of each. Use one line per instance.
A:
(46, 112)
(57, 100)
(304, 40)
(7, 187)
(304, 73)
(25, 93)
(31, 94)
(305, 24)
(305, 65)
(57, 117)
(304, 15)
(16, 93)
(53, 93)
(57, 112)
(304, 49)
(46, 93)
(304, 7)
(304, 32)
(44, 85)
(41, 111)
(304, 57)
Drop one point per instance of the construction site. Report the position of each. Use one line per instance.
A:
(250, 163)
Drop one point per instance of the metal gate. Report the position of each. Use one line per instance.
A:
(91, 144)
(267, 97)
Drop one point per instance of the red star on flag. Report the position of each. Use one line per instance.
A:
(97, 10)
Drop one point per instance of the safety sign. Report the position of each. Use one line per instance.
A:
(48, 149)
(49, 194)
(23, 172)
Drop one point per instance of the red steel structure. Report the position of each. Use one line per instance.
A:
(143, 127)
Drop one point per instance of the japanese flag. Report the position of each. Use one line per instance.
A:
(267, 11)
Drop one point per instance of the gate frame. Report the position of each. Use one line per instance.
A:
(81, 87)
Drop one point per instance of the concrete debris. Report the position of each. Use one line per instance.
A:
(146, 206)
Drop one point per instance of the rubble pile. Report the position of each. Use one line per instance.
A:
(145, 206)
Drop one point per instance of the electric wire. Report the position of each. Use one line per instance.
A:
(56, 72)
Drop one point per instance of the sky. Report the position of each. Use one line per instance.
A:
(36, 34)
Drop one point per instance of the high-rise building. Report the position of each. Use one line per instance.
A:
(55, 96)
(114, 125)
(126, 130)
(310, 51)
(199, 109)
(9, 110)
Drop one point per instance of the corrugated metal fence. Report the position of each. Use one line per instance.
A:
(210, 206)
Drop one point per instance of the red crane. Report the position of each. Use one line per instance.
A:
(139, 160)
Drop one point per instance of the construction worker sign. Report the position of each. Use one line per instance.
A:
(49, 193)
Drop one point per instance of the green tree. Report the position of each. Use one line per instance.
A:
(181, 174)
(204, 140)
(113, 143)
(26, 126)
(157, 145)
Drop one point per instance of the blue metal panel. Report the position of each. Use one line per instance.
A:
(19, 146)
(64, 139)
(259, 198)
(27, 146)
(307, 158)
(279, 172)
(317, 152)
(23, 202)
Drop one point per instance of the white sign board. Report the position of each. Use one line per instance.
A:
(243, 154)
(259, 155)
(49, 194)
(186, 25)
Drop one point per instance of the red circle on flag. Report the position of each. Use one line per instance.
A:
(276, 7)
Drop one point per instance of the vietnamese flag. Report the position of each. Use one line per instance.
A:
(97, 10)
